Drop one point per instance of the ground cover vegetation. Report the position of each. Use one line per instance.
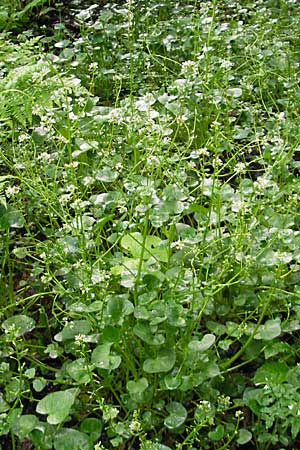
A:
(149, 225)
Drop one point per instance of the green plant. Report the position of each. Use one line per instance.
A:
(149, 229)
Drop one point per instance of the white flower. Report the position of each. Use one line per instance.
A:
(240, 167)
(93, 66)
(12, 190)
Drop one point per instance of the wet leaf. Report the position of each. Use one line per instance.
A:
(200, 346)
(270, 330)
(271, 373)
(73, 329)
(163, 362)
(137, 387)
(57, 405)
(137, 246)
(10, 218)
(78, 371)
(177, 415)
(244, 436)
(18, 325)
(103, 359)
(70, 439)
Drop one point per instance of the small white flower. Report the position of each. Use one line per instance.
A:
(93, 66)
(80, 339)
(240, 167)
(12, 190)
(199, 152)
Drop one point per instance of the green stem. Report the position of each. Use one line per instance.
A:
(139, 271)
(249, 340)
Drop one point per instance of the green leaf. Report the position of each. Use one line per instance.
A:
(78, 371)
(20, 252)
(10, 218)
(39, 384)
(24, 425)
(244, 436)
(271, 373)
(103, 359)
(270, 330)
(69, 439)
(143, 331)
(235, 92)
(217, 434)
(82, 307)
(111, 335)
(200, 346)
(73, 329)
(134, 243)
(118, 306)
(177, 415)
(172, 382)
(18, 325)
(4, 406)
(92, 426)
(57, 405)
(137, 387)
(163, 362)
(107, 175)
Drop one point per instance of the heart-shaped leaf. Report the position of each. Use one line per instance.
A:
(78, 371)
(217, 433)
(73, 329)
(138, 246)
(143, 331)
(57, 405)
(172, 382)
(177, 415)
(271, 373)
(137, 387)
(69, 439)
(200, 346)
(103, 359)
(163, 362)
(244, 436)
(118, 306)
(270, 330)
(10, 217)
(18, 325)
(24, 425)
(92, 426)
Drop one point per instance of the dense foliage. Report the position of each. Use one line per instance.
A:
(149, 225)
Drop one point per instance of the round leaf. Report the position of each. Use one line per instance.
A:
(69, 439)
(78, 371)
(10, 217)
(39, 384)
(172, 382)
(73, 329)
(92, 426)
(25, 424)
(177, 415)
(271, 373)
(137, 387)
(57, 405)
(244, 436)
(163, 362)
(102, 358)
(137, 245)
(200, 346)
(270, 330)
(217, 434)
(19, 324)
